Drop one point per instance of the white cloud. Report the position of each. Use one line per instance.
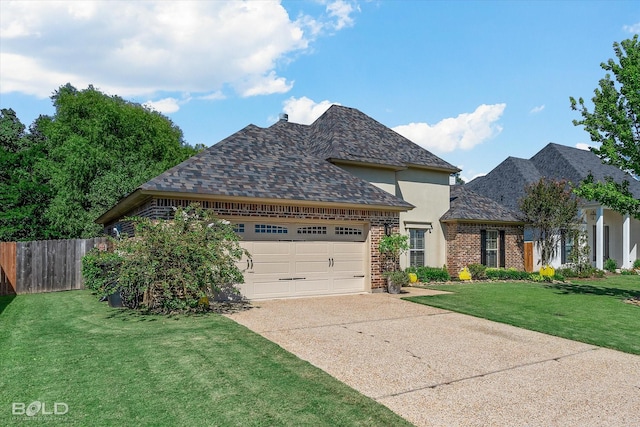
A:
(142, 48)
(583, 146)
(304, 110)
(536, 110)
(462, 132)
(341, 10)
(165, 106)
(634, 28)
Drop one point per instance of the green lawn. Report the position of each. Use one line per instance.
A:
(116, 368)
(589, 311)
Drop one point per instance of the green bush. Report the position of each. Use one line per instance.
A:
(100, 270)
(175, 265)
(636, 264)
(398, 277)
(430, 274)
(478, 271)
(610, 265)
(506, 274)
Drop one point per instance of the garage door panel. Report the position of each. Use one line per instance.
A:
(272, 248)
(271, 267)
(312, 248)
(348, 284)
(311, 287)
(272, 289)
(318, 267)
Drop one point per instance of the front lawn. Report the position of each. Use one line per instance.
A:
(118, 368)
(588, 311)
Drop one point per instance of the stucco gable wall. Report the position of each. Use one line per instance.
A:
(427, 190)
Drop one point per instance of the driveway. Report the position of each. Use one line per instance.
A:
(438, 368)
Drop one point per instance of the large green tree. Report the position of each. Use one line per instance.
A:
(551, 209)
(100, 148)
(614, 123)
(24, 193)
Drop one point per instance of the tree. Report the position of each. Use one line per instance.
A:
(169, 266)
(550, 208)
(100, 148)
(24, 194)
(615, 125)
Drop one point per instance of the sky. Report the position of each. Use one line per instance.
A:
(471, 81)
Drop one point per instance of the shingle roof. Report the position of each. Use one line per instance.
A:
(347, 134)
(471, 206)
(268, 163)
(289, 161)
(507, 182)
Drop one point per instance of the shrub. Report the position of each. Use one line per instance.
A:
(636, 264)
(171, 265)
(610, 265)
(506, 274)
(478, 271)
(430, 274)
(391, 247)
(100, 270)
(398, 277)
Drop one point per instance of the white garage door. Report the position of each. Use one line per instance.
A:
(291, 260)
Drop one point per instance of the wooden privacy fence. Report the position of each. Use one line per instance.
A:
(43, 265)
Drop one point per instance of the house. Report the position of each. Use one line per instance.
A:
(610, 234)
(310, 202)
(479, 230)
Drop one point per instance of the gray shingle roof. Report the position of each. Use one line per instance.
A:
(269, 163)
(471, 206)
(346, 134)
(506, 183)
(293, 162)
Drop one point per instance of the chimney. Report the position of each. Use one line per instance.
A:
(284, 117)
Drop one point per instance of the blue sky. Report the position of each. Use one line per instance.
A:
(471, 81)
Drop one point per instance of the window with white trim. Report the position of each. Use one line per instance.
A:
(417, 253)
(492, 248)
(312, 229)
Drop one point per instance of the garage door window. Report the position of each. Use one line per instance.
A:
(348, 231)
(270, 229)
(312, 230)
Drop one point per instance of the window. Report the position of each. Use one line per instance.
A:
(417, 247)
(348, 231)
(566, 246)
(493, 248)
(312, 230)
(238, 228)
(270, 229)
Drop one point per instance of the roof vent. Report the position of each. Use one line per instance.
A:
(284, 117)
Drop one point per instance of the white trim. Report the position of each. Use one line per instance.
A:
(626, 242)
(599, 238)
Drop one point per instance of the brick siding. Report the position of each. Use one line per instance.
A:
(463, 245)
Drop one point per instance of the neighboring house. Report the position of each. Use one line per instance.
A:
(310, 202)
(481, 231)
(610, 234)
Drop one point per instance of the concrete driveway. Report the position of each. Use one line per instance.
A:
(438, 368)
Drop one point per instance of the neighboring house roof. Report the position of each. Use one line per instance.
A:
(467, 205)
(293, 162)
(507, 182)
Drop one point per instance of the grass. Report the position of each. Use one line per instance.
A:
(588, 311)
(117, 368)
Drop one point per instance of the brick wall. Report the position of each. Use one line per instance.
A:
(463, 245)
(164, 209)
